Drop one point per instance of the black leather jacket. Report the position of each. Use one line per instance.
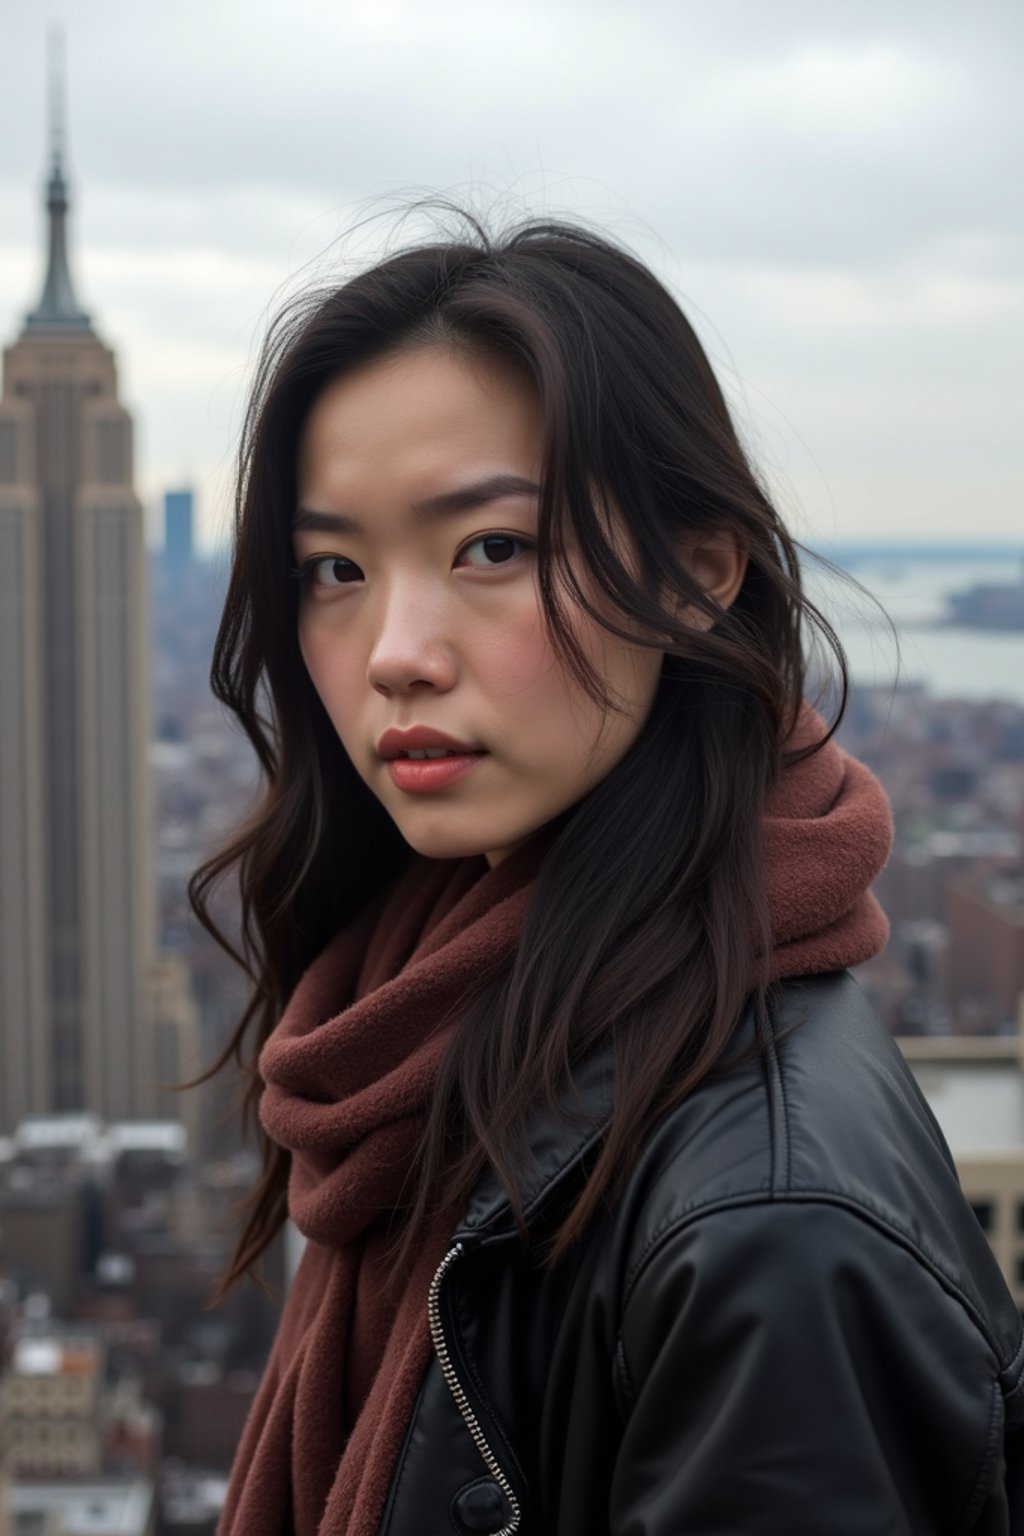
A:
(790, 1324)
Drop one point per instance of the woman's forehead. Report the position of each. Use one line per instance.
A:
(427, 417)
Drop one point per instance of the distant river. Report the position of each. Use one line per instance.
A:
(953, 663)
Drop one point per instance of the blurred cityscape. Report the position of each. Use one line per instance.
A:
(953, 888)
(122, 1393)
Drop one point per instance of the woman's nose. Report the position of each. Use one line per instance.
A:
(411, 646)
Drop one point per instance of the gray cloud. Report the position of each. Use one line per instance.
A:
(829, 186)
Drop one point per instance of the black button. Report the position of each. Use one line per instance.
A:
(482, 1508)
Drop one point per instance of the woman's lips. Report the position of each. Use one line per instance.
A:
(422, 775)
(415, 738)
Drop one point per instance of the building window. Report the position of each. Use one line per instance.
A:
(985, 1211)
(8, 453)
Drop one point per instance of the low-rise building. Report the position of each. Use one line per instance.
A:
(100, 1506)
(49, 1407)
(975, 1087)
(64, 1415)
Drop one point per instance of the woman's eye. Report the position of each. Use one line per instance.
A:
(491, 550)
(328, 571)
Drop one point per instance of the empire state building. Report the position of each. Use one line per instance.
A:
(78, 1025)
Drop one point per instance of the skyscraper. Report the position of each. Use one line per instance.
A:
(177, 534)
(77, 922)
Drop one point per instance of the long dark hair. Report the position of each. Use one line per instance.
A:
(648, 923)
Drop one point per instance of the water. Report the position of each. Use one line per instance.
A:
(952, 663)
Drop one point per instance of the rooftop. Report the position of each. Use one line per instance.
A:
(89, 1507)
(978, 1104)
(53, 1355)
(36, 1132)
(146, 1136)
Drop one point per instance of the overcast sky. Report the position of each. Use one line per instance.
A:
(832, 189)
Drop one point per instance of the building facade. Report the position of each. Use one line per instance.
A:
(985, 918)
(77, 884)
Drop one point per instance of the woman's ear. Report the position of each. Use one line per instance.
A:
(719, 562)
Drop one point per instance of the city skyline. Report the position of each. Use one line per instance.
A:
(824, 189)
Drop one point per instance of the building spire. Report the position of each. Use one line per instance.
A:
(58, 309)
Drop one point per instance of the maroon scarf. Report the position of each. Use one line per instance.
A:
(349, 1072)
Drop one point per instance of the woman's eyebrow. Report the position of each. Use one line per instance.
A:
(445, 504)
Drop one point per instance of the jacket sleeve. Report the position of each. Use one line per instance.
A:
(794, 1367)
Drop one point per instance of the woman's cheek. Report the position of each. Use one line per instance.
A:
(330, 674)
(515, 655)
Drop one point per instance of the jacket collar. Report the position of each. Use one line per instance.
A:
(557, 1138)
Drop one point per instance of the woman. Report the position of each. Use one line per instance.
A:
(623, 1212)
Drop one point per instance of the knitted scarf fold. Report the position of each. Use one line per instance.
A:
(349, 1072)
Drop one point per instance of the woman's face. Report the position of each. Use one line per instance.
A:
(416, 528)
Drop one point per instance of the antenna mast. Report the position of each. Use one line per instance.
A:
(55, 49)
(58, 308)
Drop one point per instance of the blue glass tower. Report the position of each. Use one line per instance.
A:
(177, 533)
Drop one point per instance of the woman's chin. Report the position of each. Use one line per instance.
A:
(446, 843)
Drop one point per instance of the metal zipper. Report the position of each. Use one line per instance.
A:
(461, 1400)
